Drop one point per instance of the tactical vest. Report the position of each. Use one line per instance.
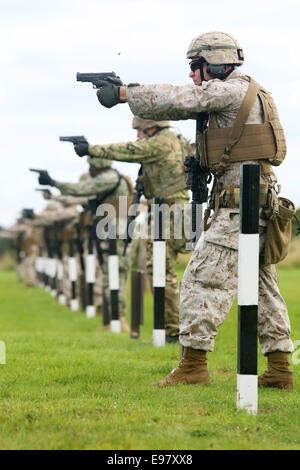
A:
(219, 147)
(166, 177)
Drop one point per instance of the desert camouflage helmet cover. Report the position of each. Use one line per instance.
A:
(216, 48)
(99, 162)
(139, 123)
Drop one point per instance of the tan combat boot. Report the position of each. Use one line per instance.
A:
(104, 328)
(124, 326)
(278, 374)
(192, 370)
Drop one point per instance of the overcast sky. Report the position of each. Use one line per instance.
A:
(43, 43)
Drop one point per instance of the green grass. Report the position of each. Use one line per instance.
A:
(67, 385)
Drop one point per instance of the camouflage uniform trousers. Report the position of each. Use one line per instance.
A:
(209, 287)
(173, 248)
(124, 268)
(20, 268)
(29, 269)
(66, 283)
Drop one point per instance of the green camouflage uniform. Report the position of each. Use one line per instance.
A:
(162, 156)
(100, 186)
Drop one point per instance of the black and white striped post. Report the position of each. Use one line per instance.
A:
(90, 274)
(114, 284)
(248, 274)
(73, 276)
(159, 273)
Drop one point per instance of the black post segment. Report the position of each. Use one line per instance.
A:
(159, 308)
(82, 290)
(112, 246)
(249, 202)
(137, 303)
(106, 315)
(114, 297)
(71, 255)
(159, 225)
(247, 339)
(73, 285)
(90, 293)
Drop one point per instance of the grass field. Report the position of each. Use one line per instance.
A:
(67, 385)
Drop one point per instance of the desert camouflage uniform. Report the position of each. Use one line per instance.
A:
(162, 156)
(15, 232)
(29, 250)
(101, 185)
(210, 280)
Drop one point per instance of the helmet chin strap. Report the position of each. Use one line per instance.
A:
(218, 71)
(215, 71)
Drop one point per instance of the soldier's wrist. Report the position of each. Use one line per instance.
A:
(123, 93)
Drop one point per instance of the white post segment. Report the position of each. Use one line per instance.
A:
(247, 393)
(248, 268)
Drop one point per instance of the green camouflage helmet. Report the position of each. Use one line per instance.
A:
(139, 123)
(99, 162)
(216, 48)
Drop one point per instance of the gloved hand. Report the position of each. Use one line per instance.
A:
(82, 149)
(109, 95)
(45, 179)
(110, 81)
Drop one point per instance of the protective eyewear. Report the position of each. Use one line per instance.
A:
(195, 64)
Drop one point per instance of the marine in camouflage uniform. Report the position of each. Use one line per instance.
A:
(108, 186)
(161, 153)
(210, 280)
(30, 239)
(15, 233)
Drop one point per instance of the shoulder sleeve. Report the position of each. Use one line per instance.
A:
(181, 102)
(140, 151)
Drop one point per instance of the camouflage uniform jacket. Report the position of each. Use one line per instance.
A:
(68, 201)
(55, 212)
(223, 100)
(100, 186)
(162, 156)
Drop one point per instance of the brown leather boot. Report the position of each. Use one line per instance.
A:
(278, 374)
(192, 370)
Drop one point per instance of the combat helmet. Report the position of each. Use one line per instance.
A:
(140, 123)
(216, 48)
